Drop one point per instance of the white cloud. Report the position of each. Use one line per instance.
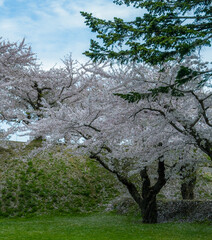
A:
(104, 9)
(54, 28)
(8, 24)
(66, 14)
(1, 3)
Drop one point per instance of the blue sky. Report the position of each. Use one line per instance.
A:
(54, 28)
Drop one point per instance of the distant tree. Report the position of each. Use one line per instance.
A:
(14, 58)
(189, 177)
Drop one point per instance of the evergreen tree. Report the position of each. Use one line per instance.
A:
(169, 30)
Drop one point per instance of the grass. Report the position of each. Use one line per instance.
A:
(98, 227)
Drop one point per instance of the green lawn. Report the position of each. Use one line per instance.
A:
(98, 227)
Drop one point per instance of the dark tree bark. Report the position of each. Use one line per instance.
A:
(187, 189)
(149, 209)
(188, 177)
(149, 194)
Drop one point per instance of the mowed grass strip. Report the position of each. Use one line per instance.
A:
(98, 227)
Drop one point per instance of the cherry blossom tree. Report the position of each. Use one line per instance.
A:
(77, 104)
(140, 78)
(25, 91)
(111, 131)
(186, 108)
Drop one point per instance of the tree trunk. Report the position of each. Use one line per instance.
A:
(187, 189)
(188, 177)
(149, 193)
(147, 203)
(149, 209)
